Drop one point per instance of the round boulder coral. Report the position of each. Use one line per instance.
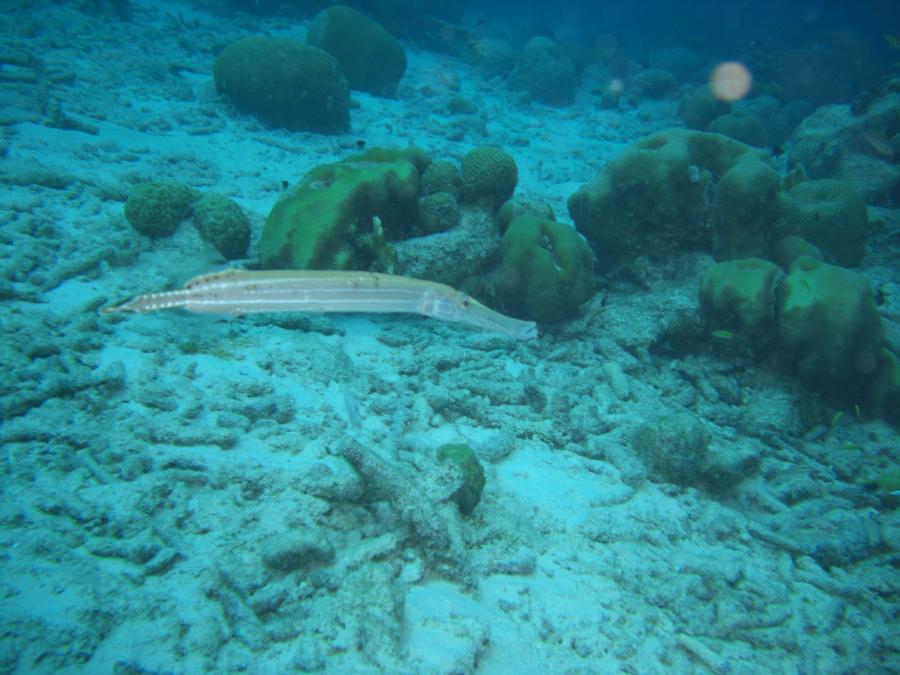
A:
(489, 176)
(285, 83)
(438, 212)
(547, 272)
(545, 72)
(155, 209)
(829, 325)
(673, 448)
(440, 176)
(222, 223)
(370, 57)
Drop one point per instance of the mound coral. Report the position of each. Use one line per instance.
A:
(547, 270)
(740, 295)
(828, 322)
(680, 189)
(829, 214)
(285, 83)
(370, 57)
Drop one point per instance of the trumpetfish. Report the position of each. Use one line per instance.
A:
(237, 292)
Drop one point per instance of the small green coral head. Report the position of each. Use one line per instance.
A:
(222, 223)
(441, 176)
(740, 295)
(489, 176)
(438, 212)
(155, 209)
(469, 493)
(547, 270)
(829, 325)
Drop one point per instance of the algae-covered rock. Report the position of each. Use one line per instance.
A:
(680, 189)
(830, 214)
(155, 209)
(547, 270)
(223, 224)
(836, 141)
(829, 325)
(469, 493)
(370, 57)
(285, 83)
(488, 176)
(740, 295)
(296, 550)
(329, 219)
(457, 257)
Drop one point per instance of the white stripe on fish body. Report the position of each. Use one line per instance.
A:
(249, 292)
(151, 302)
(238, 292)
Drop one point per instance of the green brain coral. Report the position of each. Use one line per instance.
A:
(438, 212)
(441, 176)
(326, 222)
(547, 270)
(222, 223)
(469, 493)
(155, 209)
(489, 175)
